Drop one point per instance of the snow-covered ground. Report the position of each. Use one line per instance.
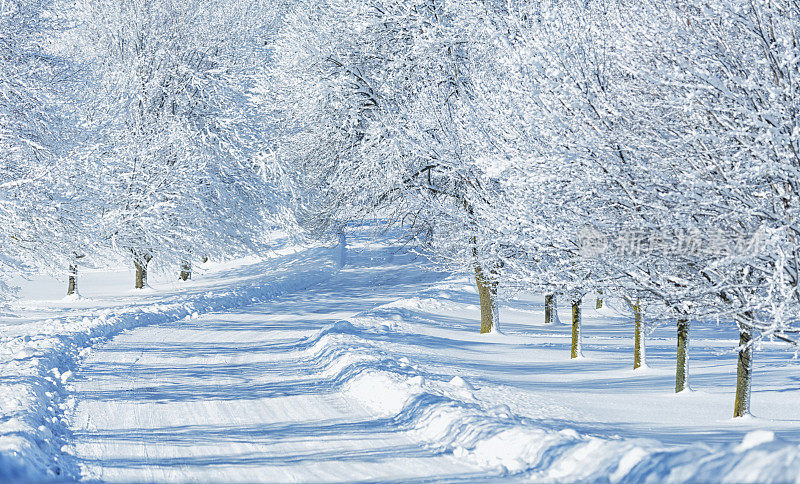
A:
(44, 336)
(289, 370)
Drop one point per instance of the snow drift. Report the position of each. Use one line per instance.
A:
(445, 413)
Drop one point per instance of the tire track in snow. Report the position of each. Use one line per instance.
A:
(232, 397)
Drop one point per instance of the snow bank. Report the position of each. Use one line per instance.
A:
(36, 367)
(443, 413)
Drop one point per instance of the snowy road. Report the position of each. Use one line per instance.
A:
(234, 397)
(379, 374)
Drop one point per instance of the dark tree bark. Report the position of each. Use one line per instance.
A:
(140, 261)
(575, 348)
(682, 371)
(487, 294)
(72, 284)
(550, 309)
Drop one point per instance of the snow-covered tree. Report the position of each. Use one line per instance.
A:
(178, 141)
(634, 148)
(376, 94)
(695, 135)
(34, 136)
(533, 111)
(737, 132)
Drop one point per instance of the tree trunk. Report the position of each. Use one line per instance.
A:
(186, 271)
(638, 335)
(599, 302)
(682, 372)
(72, 285)
(744, 371)
(487, 293)
(342, 247)
(549, 309)
(141, 271)
(575, 350)
(141, 275)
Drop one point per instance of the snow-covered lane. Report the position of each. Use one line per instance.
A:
(43, 339)
(379, 374)
(237, 397)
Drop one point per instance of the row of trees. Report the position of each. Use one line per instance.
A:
(645, 149)
(127, 131)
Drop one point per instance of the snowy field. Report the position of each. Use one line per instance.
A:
(289, 370)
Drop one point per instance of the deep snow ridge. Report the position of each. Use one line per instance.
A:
(443, 412)
(36, 368)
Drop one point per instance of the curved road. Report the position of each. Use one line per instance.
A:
(233, 397)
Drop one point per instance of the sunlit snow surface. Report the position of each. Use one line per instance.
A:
(375, 372)
(43, 337)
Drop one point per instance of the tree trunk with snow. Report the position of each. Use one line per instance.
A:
(744, 372)
(599, 301)
(72, 285)
(682, 371)
(141, 275)
(638, 335)
(549, 309)
(140, 262)
(575, 350)
(342, 247)
(186, 270)
(487, 293)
